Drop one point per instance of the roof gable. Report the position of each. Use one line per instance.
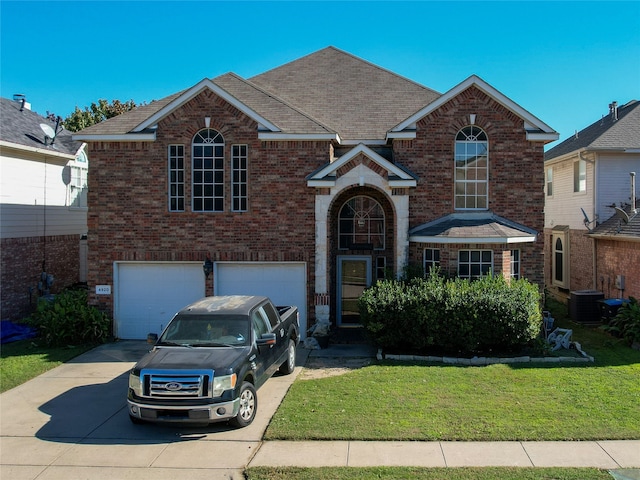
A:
(326, 175)
(536, 129)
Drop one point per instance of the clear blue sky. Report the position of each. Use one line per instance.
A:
(562, 61)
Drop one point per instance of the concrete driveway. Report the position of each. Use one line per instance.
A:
(72, 422)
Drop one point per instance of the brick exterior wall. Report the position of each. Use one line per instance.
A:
(22, 264)
(516, 172)
(614, 258)
(580, 265)
(129, 218)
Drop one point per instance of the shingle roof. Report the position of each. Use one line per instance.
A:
(328, 91)
(355, 98)
(461, 228)
(605, 134)
(127, 121)
(617, 228)
(23, 128)
(288, 118)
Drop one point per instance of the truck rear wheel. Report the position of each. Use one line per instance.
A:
(248, 406)
(290, 364)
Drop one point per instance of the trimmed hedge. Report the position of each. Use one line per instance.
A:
(457, 316)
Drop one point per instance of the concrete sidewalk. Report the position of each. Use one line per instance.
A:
(72, 422)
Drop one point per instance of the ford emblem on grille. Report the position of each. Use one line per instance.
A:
(173, 386)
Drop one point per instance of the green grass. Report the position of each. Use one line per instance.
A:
(25, 359)
(429, 402)
(414, 473)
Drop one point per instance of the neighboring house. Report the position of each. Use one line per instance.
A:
(589, 244)
(43, 207)
(307, 183)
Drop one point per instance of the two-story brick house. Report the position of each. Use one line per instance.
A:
(588, 175)
(307, 183)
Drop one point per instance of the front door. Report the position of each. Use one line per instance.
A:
(354, 275)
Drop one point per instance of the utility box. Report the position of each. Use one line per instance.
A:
(609, 308)
(584, 307)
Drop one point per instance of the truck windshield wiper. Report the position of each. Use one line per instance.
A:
(174, 344)
(212, 344)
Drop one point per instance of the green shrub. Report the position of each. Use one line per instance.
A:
(69, 320)
(626, 323)
(456, 316)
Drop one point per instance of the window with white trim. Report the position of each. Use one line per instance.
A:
(207, 190)
(239, 180)
(361, 224)
(579, 176)
(473, 264)
(549, 182)
(78, 171)
(381, 268)
(471, 169)
(176, 178)
(431, 259)
(515, 264)
(560, 258)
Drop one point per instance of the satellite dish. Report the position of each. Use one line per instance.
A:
(66, 175)
(48, 132)
(622, 215)
(586, 220)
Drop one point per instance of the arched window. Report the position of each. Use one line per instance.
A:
(361, 224)
(560, 259)
(471, 169)
(558, 276)
(207, 171)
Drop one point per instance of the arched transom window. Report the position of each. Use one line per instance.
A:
(208, 171)
(361, 224)
(472, 169)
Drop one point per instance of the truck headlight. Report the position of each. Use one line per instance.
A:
(135, 384)
(222, 383)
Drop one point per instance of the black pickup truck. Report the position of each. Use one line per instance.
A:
(211, 358)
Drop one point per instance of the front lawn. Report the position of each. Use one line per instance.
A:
(428, 402)
(25, 359)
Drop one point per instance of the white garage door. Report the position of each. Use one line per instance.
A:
(284, 283)
(147, 295)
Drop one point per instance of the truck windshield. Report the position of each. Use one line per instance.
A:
(214, 330)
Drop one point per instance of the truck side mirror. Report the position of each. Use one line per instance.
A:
(267, 339)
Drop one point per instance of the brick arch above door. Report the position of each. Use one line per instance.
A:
(360, 180)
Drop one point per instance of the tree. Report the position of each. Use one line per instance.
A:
(96, 113)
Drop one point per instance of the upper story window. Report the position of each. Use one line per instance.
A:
(239, 179)
(549, 182)
(580, 176)
(471, 169)
(207, 171)
(176, 178)
(361, 224)
(78, 171)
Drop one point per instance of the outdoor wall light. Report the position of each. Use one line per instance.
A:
(207, 266)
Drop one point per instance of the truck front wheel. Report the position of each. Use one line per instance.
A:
(248, 406)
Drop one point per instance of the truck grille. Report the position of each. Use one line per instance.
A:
(177, 384)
